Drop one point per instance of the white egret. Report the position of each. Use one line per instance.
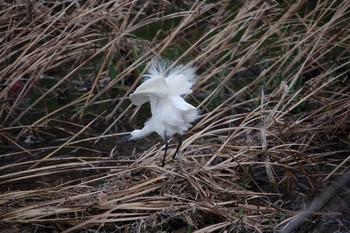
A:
(164, 89)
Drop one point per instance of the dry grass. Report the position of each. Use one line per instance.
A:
(273, 90)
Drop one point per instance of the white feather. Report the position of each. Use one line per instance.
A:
(164, 87)
(151, 87)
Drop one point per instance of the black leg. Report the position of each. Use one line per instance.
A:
(178, 146)
(166, 148)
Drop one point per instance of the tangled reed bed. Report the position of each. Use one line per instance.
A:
(269, 153)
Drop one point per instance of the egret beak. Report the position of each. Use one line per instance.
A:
(125, 139)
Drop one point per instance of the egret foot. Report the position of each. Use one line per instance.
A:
(165, 150)
(168, 161)
(176, 151)
(178, 146)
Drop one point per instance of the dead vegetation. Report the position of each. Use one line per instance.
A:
(273, 90)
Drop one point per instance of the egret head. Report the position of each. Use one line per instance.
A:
(136, 134)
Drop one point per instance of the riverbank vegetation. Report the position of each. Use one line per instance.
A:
(269, 153)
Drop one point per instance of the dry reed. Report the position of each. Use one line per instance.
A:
(273, 84)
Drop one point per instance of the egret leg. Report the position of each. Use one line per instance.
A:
(165, 150)
(178, 146)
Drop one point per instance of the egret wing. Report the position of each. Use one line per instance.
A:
(181, 104)
(151, 87)
(180, 79)
(184, 116)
